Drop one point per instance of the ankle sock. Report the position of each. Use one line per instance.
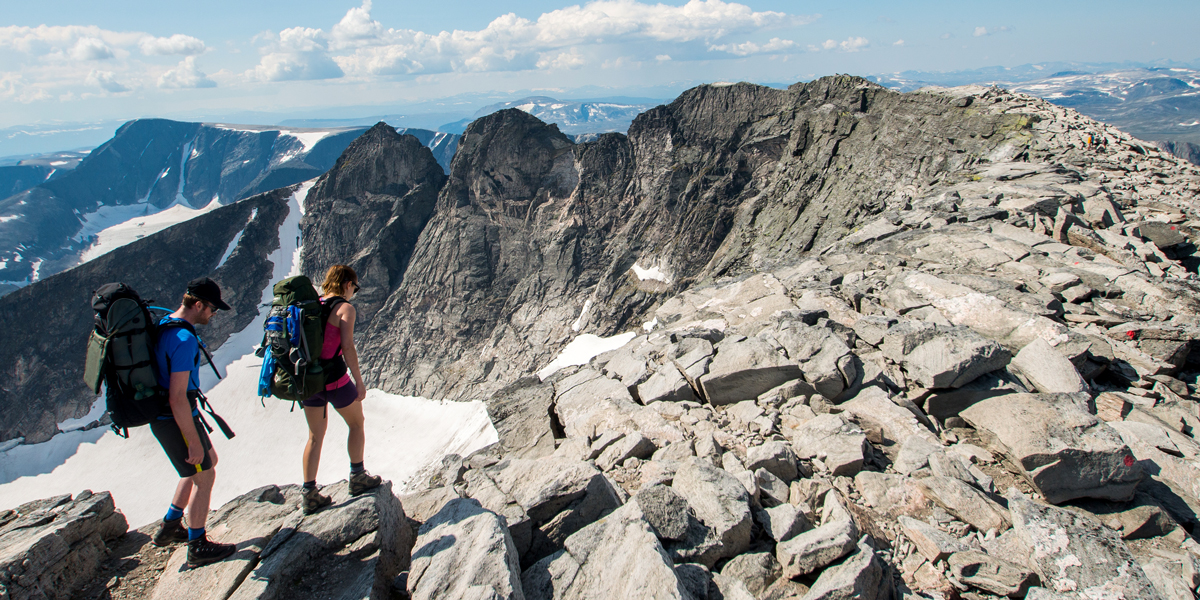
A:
(174, 513)
(310, 485)
(357, 468)
(195, 534)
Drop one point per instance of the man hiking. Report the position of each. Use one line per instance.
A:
(180, 430)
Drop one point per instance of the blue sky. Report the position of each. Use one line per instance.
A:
(74, 60)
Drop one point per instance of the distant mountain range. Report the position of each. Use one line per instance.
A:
(62, 209)
(572, 117)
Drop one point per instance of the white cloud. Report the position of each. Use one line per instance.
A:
(67, 42)
(90, 48)
(853, 44)
(748, 48)
(185, 76)
(185, 45)
(107, 81)
(299, 53)
(663, 57)
(946, 36)
(980, 31)
(512, 43)
(561, 60)
(898, 43)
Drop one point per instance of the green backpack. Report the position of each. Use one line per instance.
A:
(293, 336)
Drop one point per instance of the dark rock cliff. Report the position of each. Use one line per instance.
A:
(46, 324)
(368, 210)
(723, 181)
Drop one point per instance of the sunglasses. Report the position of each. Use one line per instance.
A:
(212, 308)
(355, 284)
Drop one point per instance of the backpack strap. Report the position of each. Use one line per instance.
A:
(182, 324)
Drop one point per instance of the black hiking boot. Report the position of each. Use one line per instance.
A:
(202, 551)
(314, 501)
(170, 532)
(363, 481)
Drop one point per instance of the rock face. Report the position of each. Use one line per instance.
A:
(51, 548)
(352, 549)
(368, 210)
(42, 384)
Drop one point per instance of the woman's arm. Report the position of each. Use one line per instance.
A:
(346, 317)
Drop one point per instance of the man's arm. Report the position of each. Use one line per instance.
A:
(182, 411)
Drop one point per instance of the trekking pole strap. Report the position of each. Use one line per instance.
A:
(202, 400)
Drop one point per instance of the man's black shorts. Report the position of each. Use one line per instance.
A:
(168, 434)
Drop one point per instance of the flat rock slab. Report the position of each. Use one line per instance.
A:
(1076, 556)
(991, 574)
(615, 557)
(943, 357)
(589, 404)
(873, 409)
(838, 443)
(933, 543)
(817, 548)
(51, 547)
(464, 551)
(859, 577)
(1048, 370)
(352, 549)
(1065, 452)
(744, 369)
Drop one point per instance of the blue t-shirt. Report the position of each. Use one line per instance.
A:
(178, 350)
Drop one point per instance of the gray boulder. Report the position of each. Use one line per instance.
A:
(1047, 370)
(666, 511)
(833, 440)
(782, 522)
(824, 358)
(543, 501)
(991, 574)
(1065, 452)
(666, 384)
(933, 543)
(816, 548)
(874, 410)
(721, 503)
(756, 570)
(465, 551)
(617, 557)
(776, 457)
(743, 369)
(859, 577)
(970, 505)
(634, 445)
(1076, 555)
(50, 548)
(942, 357)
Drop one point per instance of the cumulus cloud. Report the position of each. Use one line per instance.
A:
(185, 76)
(746, 49)
(107, 81)
(853, 44)
(982, 31)
(299, 53)
(185, 45)
(67, 42)
(90, 48)
(362, 46)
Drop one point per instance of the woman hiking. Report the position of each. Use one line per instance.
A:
(339, 358)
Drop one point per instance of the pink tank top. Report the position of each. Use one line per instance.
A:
(331, 348)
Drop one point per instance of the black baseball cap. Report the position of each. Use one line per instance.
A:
(206, 290)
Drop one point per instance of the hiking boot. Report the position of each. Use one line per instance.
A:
(314, 501)
(202, 551)
(363, 481)
(170, 532)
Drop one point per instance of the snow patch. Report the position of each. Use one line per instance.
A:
(650, 325)
(582, 349)
(307, 139)
(59, 163)
(652, 273)
(9, 218)
(114, 226)
(583, 313)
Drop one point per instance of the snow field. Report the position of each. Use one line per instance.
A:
(116, 226)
